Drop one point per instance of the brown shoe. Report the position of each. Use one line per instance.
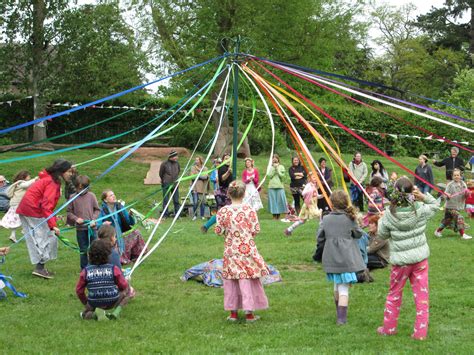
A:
(42, 273)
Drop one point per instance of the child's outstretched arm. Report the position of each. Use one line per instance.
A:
(4, 251)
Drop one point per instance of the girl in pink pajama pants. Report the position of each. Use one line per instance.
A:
(404, 226)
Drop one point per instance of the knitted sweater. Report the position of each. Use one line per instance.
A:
(359, 170)
(276, 175)
(406, 231)
(458, 189)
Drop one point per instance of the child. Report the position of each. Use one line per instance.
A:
(341, 256)
(377, 195)
(456, 194)
(106, 286)
(243, 265)
(83, 208)
(391, 184)
(470, 199)
(15, 192)
(404, 225)
(310, 208)
(250, 177)
(107, 232)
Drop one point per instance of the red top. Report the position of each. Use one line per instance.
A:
(470, 196)
(41, 199)
(248, 177)
(120, 281)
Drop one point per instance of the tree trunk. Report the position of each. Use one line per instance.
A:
(39, 108)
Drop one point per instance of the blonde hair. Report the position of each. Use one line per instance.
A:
(340, 201)
(470, 183)
(424, 157)
(236, 189)
(249, 159)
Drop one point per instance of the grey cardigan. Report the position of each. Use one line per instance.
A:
(341, 251)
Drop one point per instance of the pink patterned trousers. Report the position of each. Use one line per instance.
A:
(418, 275)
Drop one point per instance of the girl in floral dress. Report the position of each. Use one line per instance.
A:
(243, 265)
(15, 192)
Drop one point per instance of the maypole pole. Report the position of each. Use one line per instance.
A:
(236, 109)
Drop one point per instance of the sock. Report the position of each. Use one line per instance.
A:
(440, 229)
(13, 234)
(461, 231)
(39, 266)
(341, 314)
(295, 225)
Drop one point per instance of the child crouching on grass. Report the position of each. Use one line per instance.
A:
(106, 286)
(243, 265)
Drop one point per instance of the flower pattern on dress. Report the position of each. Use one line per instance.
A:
(239, 225)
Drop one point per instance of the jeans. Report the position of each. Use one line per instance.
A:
(198, 199)
(84, 244)
(166, 197)
(424, 189)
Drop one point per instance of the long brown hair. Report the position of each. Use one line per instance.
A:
(340, 201)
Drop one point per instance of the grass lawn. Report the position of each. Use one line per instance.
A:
(171, 316)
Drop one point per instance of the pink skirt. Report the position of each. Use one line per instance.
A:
(246, 294)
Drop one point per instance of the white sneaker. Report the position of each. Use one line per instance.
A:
(194, 218)
(438, 234)
(466, 237)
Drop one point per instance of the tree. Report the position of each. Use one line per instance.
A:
(27, 33)
(97, 54)
(442, 26)
(54, 50)
(318, 33)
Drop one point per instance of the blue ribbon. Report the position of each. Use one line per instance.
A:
(10, 286)
(114, 165)
(114, 96)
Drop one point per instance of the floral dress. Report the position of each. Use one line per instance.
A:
(239, 224)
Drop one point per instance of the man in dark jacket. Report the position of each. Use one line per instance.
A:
(169, 173)
(451, 163)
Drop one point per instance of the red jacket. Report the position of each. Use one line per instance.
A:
(41, 199)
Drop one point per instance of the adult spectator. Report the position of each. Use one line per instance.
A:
(359, 169)
(276, 190)
(327, 176)
(200, 188)
(298, 180)
(169, 173)
(36, 206)
(423, 170)
(4, 199)
(452, 162)
(379, 170)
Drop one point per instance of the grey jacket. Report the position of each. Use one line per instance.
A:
(341, 251)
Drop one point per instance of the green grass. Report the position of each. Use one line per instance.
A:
(171, 316)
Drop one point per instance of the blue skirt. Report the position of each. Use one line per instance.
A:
(277, 201)
(343, 278)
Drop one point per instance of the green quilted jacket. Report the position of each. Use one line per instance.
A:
(406, 231)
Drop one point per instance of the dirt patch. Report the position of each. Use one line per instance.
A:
(151, 154)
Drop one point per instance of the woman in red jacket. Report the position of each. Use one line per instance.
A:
(36, 206)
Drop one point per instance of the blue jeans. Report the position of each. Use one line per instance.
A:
(198, 199)
(424, 189)
(166, 197)
(84, 244)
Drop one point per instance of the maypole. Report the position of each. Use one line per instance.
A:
(236, 108)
